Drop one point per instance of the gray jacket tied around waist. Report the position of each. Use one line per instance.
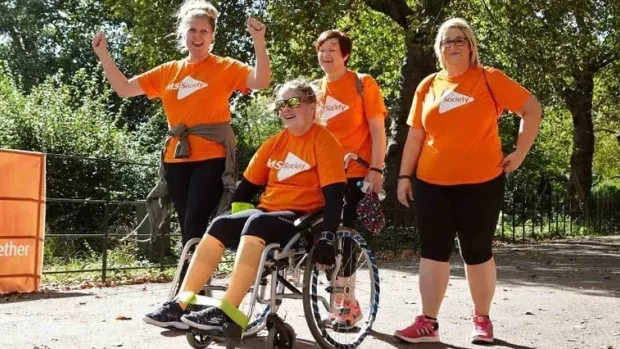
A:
(158, 202)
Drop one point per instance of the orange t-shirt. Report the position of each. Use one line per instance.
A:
(346, 115)
(462, 143)
(193, 94)
(295, 168)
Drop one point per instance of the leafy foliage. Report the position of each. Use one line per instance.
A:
(53, 97)
(73, 119)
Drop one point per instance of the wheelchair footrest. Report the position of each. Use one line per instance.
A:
(233, 313)
(229, 332)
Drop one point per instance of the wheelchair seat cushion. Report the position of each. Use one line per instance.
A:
(369, 213)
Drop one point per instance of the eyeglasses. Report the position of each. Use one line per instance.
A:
(293, 102)
(457, 42)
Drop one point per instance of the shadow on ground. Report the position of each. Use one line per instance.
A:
(27, 297)
(389, 339)
(250, 343)
(589, 266)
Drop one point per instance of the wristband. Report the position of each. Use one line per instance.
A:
(376, 170)
(403, 177)
(327, 235)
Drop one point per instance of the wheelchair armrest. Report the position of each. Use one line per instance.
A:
(307, 219)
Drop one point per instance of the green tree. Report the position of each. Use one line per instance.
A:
(73, 119)
(559, 49)
(418, 21)
(38, 38)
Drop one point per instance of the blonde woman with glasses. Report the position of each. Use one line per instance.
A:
(456, 151)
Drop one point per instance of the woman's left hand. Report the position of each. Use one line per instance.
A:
(375, 180)
(512, 161)
(256, 29)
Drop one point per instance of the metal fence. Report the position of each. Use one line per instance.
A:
(97, 201)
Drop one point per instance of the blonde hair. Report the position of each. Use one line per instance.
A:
(305, 88)
(459, 23)
(189, 10)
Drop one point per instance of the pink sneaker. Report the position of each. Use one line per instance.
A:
(421, 331)
(483, 330)
(346, 315)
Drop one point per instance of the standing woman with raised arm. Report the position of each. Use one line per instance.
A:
(198, 169)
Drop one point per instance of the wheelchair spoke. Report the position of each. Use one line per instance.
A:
(354, 283)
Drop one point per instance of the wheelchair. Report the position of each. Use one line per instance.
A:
(289, 272)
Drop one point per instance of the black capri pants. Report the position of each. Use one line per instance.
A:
(195, 189)
(273, 227)
(469, 211)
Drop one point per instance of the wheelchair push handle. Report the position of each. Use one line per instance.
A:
(353, 156)
(363, 186)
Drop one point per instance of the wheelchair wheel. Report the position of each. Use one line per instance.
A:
(320, 293)
(276, 340)
(198, 341)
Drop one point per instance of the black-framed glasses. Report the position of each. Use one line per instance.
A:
(293, 102)
(456, 42)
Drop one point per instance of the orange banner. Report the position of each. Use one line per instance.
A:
(22, 220)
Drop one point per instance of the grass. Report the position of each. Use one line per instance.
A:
(550, 227)
(127, 263)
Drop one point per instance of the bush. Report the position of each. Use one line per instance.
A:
(73, 119)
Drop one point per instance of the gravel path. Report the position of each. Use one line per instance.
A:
(563, 294)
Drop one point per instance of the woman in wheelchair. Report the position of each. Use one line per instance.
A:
(301, 170)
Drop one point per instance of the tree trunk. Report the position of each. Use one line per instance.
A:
(420, 25)
(579, 102)
(419, 63)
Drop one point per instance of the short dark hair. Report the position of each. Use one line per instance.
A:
(343, 41)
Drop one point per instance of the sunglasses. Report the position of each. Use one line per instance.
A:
(293, 102)
(457, 42)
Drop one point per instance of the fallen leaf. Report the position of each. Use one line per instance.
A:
(122, 317)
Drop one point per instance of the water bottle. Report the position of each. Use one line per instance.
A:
(364, 187)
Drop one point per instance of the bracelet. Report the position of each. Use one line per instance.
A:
(376, 170)
(403, 177)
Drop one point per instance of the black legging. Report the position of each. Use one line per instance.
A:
(195, 189)
(353, 195)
